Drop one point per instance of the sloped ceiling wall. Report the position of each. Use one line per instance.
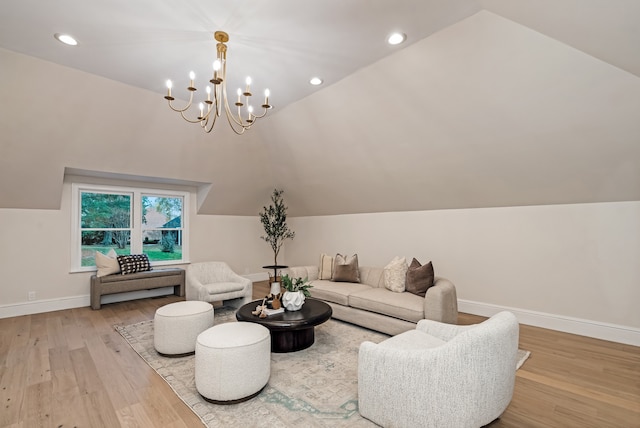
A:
(484, 113)
(53, 118)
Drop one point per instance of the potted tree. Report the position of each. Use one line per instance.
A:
(274, 221)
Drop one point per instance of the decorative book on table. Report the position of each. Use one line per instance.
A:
(274, 311)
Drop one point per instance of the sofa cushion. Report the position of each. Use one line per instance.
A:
(335, 292)
(395, 274)
(107, 264)
(373, 276)
(419, 278)
(325, 269)
(345, 268)
(406, 306)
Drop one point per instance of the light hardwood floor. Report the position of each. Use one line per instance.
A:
(72, 369)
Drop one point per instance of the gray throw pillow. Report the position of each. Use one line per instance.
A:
(419, 278)
(345, 269)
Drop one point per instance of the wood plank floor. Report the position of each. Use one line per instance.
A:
(72, 369)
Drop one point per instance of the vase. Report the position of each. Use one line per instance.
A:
(293, 300)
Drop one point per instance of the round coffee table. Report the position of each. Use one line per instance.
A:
(290, 331)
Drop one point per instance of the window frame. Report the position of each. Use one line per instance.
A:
(137, 229)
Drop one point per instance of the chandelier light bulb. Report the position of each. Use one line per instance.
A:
(216, 65)
(248, 80)
(169, 84)
(266, 99)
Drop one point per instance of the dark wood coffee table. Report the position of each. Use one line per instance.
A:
(290, 331)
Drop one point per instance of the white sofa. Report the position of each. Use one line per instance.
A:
(215, 282)
(440, 375)
(371, 305)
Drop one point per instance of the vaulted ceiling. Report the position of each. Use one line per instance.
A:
(488, 102)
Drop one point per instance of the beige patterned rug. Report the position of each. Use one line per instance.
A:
(315, 387)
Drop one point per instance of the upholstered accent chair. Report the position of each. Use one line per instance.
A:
(215, 282)
(440, 375)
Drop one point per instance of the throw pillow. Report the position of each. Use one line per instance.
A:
(345, 269)
(395, 274)
(107, 264)
(134, 263)
(326, 266)
(419, 278)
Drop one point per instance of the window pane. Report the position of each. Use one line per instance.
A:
(159, 212)
(103, 241)
(163, 244)
(105, 210)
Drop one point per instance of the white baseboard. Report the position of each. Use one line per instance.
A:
(582, 327)
(40, 306)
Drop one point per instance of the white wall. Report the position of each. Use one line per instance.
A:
(575, 264)
(35, 254)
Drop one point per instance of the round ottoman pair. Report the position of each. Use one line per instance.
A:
(233, 362)
(176, 326)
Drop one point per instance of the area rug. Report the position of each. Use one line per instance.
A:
(315, 387)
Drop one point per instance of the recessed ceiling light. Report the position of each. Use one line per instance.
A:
(315, 81)
(396, 38)
(66, 39)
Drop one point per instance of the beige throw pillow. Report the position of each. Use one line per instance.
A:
(395, 274)
(107, 264)
(345, 269)
(326, 266)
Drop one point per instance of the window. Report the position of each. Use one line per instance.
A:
(162, 227)
(129, 221)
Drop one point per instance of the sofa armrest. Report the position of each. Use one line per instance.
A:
(441, 302)
(193, 286)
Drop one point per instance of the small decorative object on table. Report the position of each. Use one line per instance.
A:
(296, 289)
(273, 299)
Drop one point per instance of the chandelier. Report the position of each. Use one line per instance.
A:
(217, 102)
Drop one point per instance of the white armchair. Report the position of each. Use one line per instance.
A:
(440, 375)
(215, 281)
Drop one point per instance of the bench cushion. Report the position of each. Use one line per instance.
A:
(140, 275)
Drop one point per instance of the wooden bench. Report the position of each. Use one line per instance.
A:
(117, 283)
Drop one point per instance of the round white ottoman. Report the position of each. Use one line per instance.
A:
(233, 362)
(176, 326)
